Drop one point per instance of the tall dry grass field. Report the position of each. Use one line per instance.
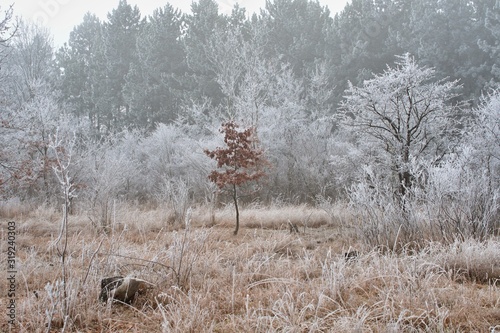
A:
(266, 279)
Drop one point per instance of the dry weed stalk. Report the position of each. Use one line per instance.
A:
(63, 153)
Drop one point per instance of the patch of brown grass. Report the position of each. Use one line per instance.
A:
(472, 261)
(14, 208)
(265, 279)
(281, 217)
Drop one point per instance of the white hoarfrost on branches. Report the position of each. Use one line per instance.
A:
(422, 172)
(407, 113)
(287, 112)
(485, 136)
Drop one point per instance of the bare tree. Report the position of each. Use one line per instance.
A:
(32, 59)
(407, 113)
(7, 31)
(63, 154)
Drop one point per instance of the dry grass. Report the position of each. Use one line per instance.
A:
(266, 279)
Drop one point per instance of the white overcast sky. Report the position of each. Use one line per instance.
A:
(60, 16)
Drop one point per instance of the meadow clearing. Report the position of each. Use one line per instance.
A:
(268, 278)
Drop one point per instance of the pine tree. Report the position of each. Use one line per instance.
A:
(153, 86)
(120, 36)
(296, 32)
(82, 77)
(202, 24)
(491, 46)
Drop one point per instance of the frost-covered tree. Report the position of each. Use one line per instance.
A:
(25, 158)
(485, 138)
(108, 171)
(7, 30)
(30, 115)
(491, 45)
(407, 113)
(476, 194)
(31, 60)
(228, 53)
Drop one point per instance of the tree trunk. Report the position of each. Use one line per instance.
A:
(405, 177)
(235, 198)
(404, 182)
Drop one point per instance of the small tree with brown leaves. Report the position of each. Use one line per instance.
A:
(237, 163)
